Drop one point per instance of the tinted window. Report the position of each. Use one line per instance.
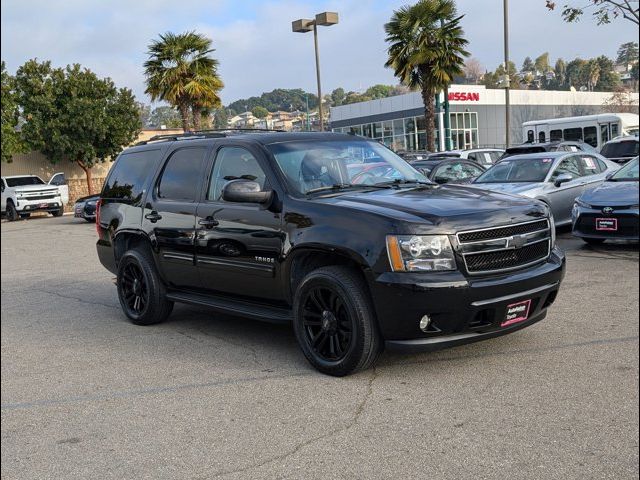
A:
(569, 165)
(620, 149)
(555, 135)
(128, 176)
(22, 181)
(541, 137)
(182, 174)
(604, 133)
(233, 163)
(530, 136)
(58, 179)
(573, 134)
(591, 136)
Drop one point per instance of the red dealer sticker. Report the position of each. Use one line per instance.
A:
(516, 312)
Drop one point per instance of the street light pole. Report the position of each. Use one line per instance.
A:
(304, 25)
(507, 111)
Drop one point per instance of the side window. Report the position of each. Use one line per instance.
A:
(591, 136)
(589, 165)
(614, 130)
(530, 136)
(542, 137)
(233, 163)
(573, 133)
(602, 165)
(604, 133)
(129, 174)
(555, 135)
(58, 179)
(568, 165)
(472, 156)
(182, 174)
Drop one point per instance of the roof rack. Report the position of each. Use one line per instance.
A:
(199, 134)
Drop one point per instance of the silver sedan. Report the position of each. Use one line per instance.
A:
(555, 178)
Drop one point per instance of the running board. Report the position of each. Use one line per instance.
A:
(266, 313)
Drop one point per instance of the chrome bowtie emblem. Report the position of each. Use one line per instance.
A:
(516, 241)
(607, 210)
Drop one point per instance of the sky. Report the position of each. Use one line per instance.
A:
(258, 51)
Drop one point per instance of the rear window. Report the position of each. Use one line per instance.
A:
(620, 149)
(22, 181)
(128, 176)
(523, 150)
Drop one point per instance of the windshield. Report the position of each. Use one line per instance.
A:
(627, 173)
(22, 181)
(514, 170)
(627, 148)
(318, 165)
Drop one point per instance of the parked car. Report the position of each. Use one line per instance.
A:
(555, 146)
(483, 156)
(556, 178)
(24, 194)
(269, 226)
(611, 210)
(413, 155)
(451, 170)
(621, 149)
(85, 207)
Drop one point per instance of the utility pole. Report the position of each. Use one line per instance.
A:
(507, 111)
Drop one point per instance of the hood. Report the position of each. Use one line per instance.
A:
(612, 194)
(519, 188)
(36, 188)
(451, 206)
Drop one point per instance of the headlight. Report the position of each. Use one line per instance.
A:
(582, 204)
(420, 253)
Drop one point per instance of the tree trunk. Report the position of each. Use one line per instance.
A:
(197, 117)
(87, 172)
(428, 96)
(184, 116)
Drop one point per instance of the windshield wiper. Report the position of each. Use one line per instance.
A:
(344, 186)
(403, 181)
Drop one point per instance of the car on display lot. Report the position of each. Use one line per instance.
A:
(85, 207)
(621, 149)
(483, 156)
(611, 210)
(555, 178)
(23, 195)
(553, 146)
(413, 155)
(449, 170)
(269, 226)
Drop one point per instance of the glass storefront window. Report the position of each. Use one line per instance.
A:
(398, 127)
(366, 130)
(409, 125)
(421, 123)
(377, 130)
(387, 128)
(355, 130)
(474, 120)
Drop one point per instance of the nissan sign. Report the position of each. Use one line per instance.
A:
(464, 96)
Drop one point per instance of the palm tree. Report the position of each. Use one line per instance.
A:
(181, 72)
(427, 50)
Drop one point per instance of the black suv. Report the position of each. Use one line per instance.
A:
(269, 226)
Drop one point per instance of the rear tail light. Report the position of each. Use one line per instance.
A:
(98, 205)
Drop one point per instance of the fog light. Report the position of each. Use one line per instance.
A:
(425, 321)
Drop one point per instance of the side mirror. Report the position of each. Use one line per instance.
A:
(245, 191)
(562, 178)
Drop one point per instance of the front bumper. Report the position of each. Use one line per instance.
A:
(462, 309)
(28, 206)
(82, 210)
(584, 223)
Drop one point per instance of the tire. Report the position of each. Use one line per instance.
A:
(91, 220)
(12, 213)
(25, 215)
(57, 213)
(594, 241)
(140, 291)
(334, 321)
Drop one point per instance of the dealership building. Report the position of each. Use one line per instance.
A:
(477, 115)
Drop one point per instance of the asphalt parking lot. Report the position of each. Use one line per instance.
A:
(85, 394)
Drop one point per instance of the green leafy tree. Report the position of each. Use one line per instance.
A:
(511, 71)
(164, 115)
(260, 112)
(181, 71)
(337, 96)
(427, 50)
(528, 65)
(560, 70)
(608, 78)
(71, 114)
(11, 140)
(379, 91)
(220, 118)
(604, 11)
(542, 63)
(592, 74)
(627, 54)
(490, 80)
(576, 69)
(634, 76)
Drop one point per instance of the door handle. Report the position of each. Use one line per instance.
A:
(153, 217)
(208, 222)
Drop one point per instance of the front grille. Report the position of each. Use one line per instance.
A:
(507, 259)
(40, 197)
(505, 248)
(502, 232)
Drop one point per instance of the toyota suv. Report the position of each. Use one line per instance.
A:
(269, 226)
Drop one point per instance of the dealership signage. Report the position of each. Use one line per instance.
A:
(464, 96)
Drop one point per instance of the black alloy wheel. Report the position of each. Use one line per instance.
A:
(12, 213)
(134, 289)
(334, 321)
(328, 325)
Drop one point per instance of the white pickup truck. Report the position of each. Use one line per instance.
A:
(25, 194)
